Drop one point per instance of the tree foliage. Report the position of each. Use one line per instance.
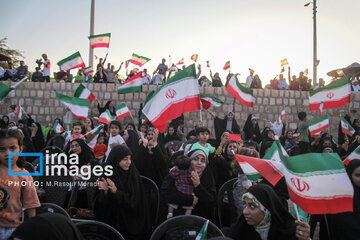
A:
(15, 55)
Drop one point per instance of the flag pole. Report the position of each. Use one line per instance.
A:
(200, 115)
(92, 27)
(297, 212)
(17, 84)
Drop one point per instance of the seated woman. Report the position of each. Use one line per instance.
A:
(204, 198)
(265, 217)
(120, 200)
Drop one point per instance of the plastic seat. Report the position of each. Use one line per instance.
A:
(153, 195)
(94, 230)
(225, 204)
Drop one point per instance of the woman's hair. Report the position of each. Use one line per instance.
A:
(10, 133)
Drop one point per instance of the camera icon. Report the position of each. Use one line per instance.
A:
(40, 155)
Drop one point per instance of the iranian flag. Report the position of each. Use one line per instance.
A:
(227, 65)
(122, 111)
(20, 112)
(127, 62)
(208, 100)
(100, 40)
(340, 72)
(354, 155)
(346, 127)
(208, 64)
(71, 62)
(133, 84)
(66, 134)
(251, 71)
(238, 91)
(194, 57)
(181, 62)
(78, 107)
(91, 137)
(203, 231)
(106, 117)
(334, 95)
(317, 182)
(321, 108)
(139, 60)
(282, 116)
(4, 90)
(250, 172)
(84, 93)
(88, 70)
(58, 128)
(318, 125)
(178, 95)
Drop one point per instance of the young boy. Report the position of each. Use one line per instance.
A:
(115, 138)
(16, 192)
(100, 148)
(12, 114)
(303, 129)
(203, 135)
(76, 132)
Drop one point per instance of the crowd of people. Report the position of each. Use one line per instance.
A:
(188, 168)
(161, 74)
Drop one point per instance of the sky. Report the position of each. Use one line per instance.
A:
(253, 34)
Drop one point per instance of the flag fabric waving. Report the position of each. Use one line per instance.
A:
(208, 64)
(181, 62)
(20, 112)
(340, 72)
(78, 107)
(133, 84)
(317, 182)
(4, 90)
(334, 95)
(71, 62)
(84, 93)
(321, 108)
(58, 128)
(194, 57)
(346, 127)
(354, 155)
(91, 137)
(203, 231)
(207, 101)
(241, 93)
(122, 111)
(139, 60)
(178, 95)
(88, 70)
(282, 116)
(227, 65)
(100, 40)
(106, 117)
(251, 71)
(284, 62)
(318, 125)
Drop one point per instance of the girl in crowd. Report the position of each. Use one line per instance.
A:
(120, 200)
(37, 137)
(109, 105)
(251, 129)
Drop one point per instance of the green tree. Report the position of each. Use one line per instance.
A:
(15, 55)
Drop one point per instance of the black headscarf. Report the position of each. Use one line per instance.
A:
(86, 154)
(220, 126)
(38, 141)
(133, 141)
(46, 226)
(355, 163)
(126, 210)
(103, 109)
(251, 129)
(282, 223)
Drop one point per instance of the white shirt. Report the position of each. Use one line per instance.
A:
(117, 139)
(249, 80)
(158, 79)
(146, 79)
(46, 70)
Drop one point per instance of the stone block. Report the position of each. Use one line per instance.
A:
(267, 92)
(298, 102)
(229, 100)
(38, 102)
(292, 102)
(48, 118)
(272, 101)
(111, 86)
(265, 101)
(261, 108)
(286, 93)
(275, 93)
(90, 86)
(256, 108)
(281, 93)
(306, 102)
(279, 101)
(103, 87)
(35, 110)
(292, 125)
(44, 86)
(291, 93)
(304, 94)
(97, 86)
(209, 90)
(114, 96)
(121, 97)
(142, 97)
(107, 96)
(238, 107)
(42, 110)
(285, 101)
(259, 100)
(29, 101)
(145, 88)
(51, 110)
(40, 93)
(53, 94)
(36, 85)
(152, 87)
(32, 93)
(297, 94)
(218, 90)
(60, 111)
(260, 93)
(128, 96)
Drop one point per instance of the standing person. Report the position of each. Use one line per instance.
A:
(303, 129)
(46, 69)
(162, 68)
(294, 82)
(282, 85)
(115, 138)
(109, 105)
(265, 217)
(158, 78)
(37, 76)
(121, 200)
(111, 73)
(146, 78)
(216, 80)
(250, 78)
(251, 129)
(14, 196)
(37, 136)
(11, 72)
(256, 82)
(12, 115)
(229, 123)
(101, 62)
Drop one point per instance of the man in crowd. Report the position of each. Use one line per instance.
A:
(22, 71)
(37, 76)
(110, 73)
(162, 67)
(46, 69)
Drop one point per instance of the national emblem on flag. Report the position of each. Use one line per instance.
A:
(71, 62)
(346, 127)
(106, 117)
(100, 40)
(194, 57)
(88, 70)
(122, 111)
(284, 62)
(227, 65)
(318, 125)
(340, 72)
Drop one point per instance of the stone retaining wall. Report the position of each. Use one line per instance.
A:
(40, 101)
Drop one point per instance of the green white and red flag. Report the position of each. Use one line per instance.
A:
(317, 182)
(78, 107)
(181, 62)
(354, 155)
(88, 70)
(91, 137)
(127, 62)
(346, 127)
(100, 40)
(251, 71)
(139, 60)
(66, 134)
(241, 93)
(227, 65)
(250, 172)
(208, 64)
(172, 71)
(194, 57)
(334, 95)
(133, 84)
(58, 128)
(4, 90)
(84, 93)
(178, 95)
(20, 112)
(282, 116)
(208, 100)
(106, 117)
(318, 125)
(71, 62)
(340, 72)
(202, 235)
(122, 111)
